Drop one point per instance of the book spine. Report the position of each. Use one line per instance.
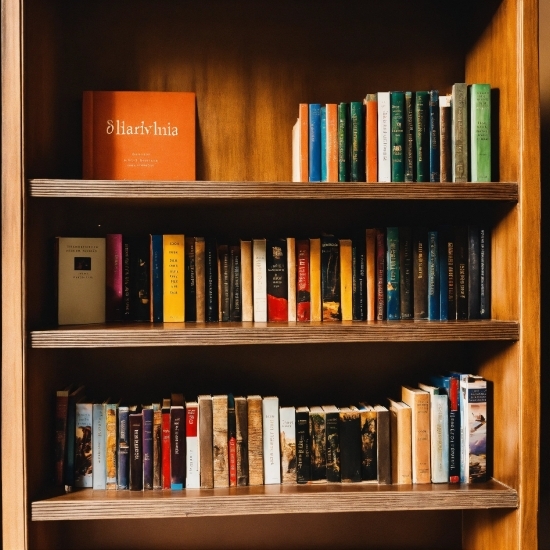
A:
(190, 281)
(277, 280)
(219, 427)
(371, 273)
(157, 446)
(383, 445)
(350, 446)
(177, 447)
(359, 279)
(380, 275)
(140, 272)
(241, 417)
(304, 141)
(123, 449)
(110, 446)
(434, 300)
(480, 133)
(192, 471)
(369, 454)
(61, 415)
(113, 277)
(330, 278)
(323, 143)
(272, 451)
(433, 107)
(454, 430)
(445, 139)
(296, 151)
(409, 137)
(303, 303)
(303, 459)
(384, 137)
(400, 429)
(318, 444)
(232, 440)
(147, 441)
(83, 445)
(291, 278)
(485, 273)
(224, 281)
(157, 299)
(459, 132)
(166, 448)
(357, 153)
(343, 143)
(474, 291)
(405, 273)
(332, 142)
(420, 273)
(474, 418)
(287, 419)
(200, 278)
(206, 442)
(439, 411)
(460, 378)
(314, 142)
(126, 282)
(397, 136)
(259, 250)
(371, 138)
(315, 279)
(246, 281)
(461, 272)
(136, 452)
(422, 136)
(255, 441)
(419, 402)
(235, 305)
(346, 279)
(174, 278)
(211, 280)
(69, 462)
(333, 446)
(393, 300)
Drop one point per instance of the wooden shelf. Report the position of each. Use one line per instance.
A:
(88, 504)
(224, 334)
(243, 190)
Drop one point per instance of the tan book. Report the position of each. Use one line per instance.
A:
(219, 429)
(255, 441)
(291, 277)
(206, 442)
(419, 402)
(200, 278)
(346, 280)
(401, 452)
(241, 417)
(315, 278)
(371, 274)
(246, 281)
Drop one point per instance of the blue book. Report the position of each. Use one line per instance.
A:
(433, 277)
(323, 143)
(444, 237)
(314, 142)
(433, 107)
(156, 277)
(393, 300)
(148, 447)
(123, 448)
(485, 273)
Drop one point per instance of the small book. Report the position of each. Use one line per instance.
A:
(459, 132)
(433, 108)
(291, 278)
(259, 274)
(255, 441)
(393, 300)
(83, 445)
(246, 281)
(484, 273)
(99, 443)
(357, 141)
(318, 444)
(211, 280)
(241, 418)
(157, 279)
(303, 303)
(113, 277)
(192, 470)
(420, 272)
(480, 132)
(332, 142)
(177, 442)
(200, 273)
(123, 448)
(346, 279)
(157, 446)
(383, 444)
(332, 416)
(147, 442)
(434, 298)
(287, 420)
(315, 279)
(136, 451)
(206, 442)
(409, 140)
(190, 281)
(330, 278)
(272, 451)
(220, 454)
(371, 137)
(445, 139)
(406, 284)
(371, 279)
(350, 445)
(401, 442)
(343, 142)
(277, 280)
(422, 136)
(369, 443)
(384, 137)
(174, 278)
(397, 136)
(166, 443)
(314, 142)
(303, 458)
(474, 290)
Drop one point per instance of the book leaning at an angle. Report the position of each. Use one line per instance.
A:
(130, 135)
(272, 453)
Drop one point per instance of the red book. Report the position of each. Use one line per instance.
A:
(277, 280)
(380, 275)
(303, 300)
(113, 277)
(166, 444)
(371, 135)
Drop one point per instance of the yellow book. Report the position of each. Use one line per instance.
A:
(315, 278)
(174, 278)
(346, 280)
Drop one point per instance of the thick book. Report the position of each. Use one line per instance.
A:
(287, 429)
(303, 458)
(422, 136)
(291, 278)
(277, 280)
(206, 442)
(359, 278)
(166, 443)
(371, 138)
(480, 132)
(318, 444)
(433, 110)
(445, 139)
(357, 141)
(157, 279)
(61, 415)
(137, 274)
(332, 142)
(148, 447)
(383, 444)
(303, 303)
(247, 296)
(174, 278)
(192, 469)
(461, 271)
(332, 420)
(190, 281)
(380, 313)
(255, 441)
(177, 442)
(369, 442)
(157, 446)
(384, 137)
(211, 280)
(232, 440)
(123, 448)
(397, 136)
(80, 280)
(83, 445)
(200, 274)
(113, 277)
(474, 282)
(224, 284)
(143, 135)
(259, 274)
(346, 279)
(315, 309)
(135, 422)
(330, 278)
(219, 431)
(401, 442)
(434, 298)
(419, 402)
(98, 450)
(409, 141)
(272, 450)
(350, 445)
(393, 299)
(323, 143)
(484, 273)
(314, 142)
(235, 283)
(459, 132)
(406, 285)
(241, 428)
(343, 142)
(371, 279)
(303, 112)
(420, 272)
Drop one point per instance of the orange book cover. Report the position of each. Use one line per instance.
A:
(138, 135)
(332, 142)
(371, 134)
(304, 141)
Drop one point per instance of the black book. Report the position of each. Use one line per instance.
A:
(446, 273)
(318, 444)
(383, 446)
(484, 273)
(409, 137)
(190, 280)
(136, 277)
(380, 309)
(136, 451)
(332, 415)
(177, 442)
(330, 278)
(303, 459)
(405, 272)
(369, 443)
(277, 280)
(461, 272)
(359, 279)
(420, 272)
(235, 297)
(350, 445)
(474, 292)
(211, 279)
(223, 258)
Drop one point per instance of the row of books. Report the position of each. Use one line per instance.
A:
(386, 273)
(435, 434)
(396, 137)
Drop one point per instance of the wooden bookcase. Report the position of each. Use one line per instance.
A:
(251, 64)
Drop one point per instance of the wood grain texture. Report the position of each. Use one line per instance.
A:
(272, 499)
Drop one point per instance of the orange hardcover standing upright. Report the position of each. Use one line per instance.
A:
(138, 135)
(371, 134)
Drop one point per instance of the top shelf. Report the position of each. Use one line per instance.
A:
(247, 190)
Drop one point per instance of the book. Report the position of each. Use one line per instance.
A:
(206, 442)
(419, 402)
(443, 236)
(380, 313)
(135, 422)
(330, 278)
(177, 442)
(235, 285)
(303, 112)
(406, 285)
(190, 281)
(241, 419)
(357, 141)
(459, 132)
(277, 280)
(422, 136)
(157, 279)
(349, 430)
(296, 151)
(287, 427)
(303, 457)
(409, 140)
(371, 138)
(434, 298)
(383, 444)
(474, 289)
(137, 273)
(484, 273)
(401, 442)
(192, 469)
(148, 447)
(61, 416)
(461, 377)
(420, 272)
(224, 285)
(113, 277)
(318, 444)
(359, 278)
(480, 132)
(398, 114)
(157, 446)
(323, 143)
(123, 448)
(291, 278)
(75, 396)
(255, 441)
(445, 139)
(371, 279)
(332, 142)
(314, 142)
(303, 303)
(98, 446)
(220, 431)
(174, 278)
(315, 279)
(80, 280)
(232, 440)
(433, 111)
(166, 443)
(384, 137)
(200, 275)
(461, 272)
(138, 135)
(211, 280)
(393, 284)
(246, 281)
(259, 274)
(272, 450)
(346, 279)
(332, 420)
(369, 444)
(343, 142)
(83, 445)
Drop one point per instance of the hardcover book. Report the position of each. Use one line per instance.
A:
(330, 278)
(232, 440)
(190, 281)
(83, 445)
(461, 272)
(474, 290)
(350, 445)
(123, 448)
(323, 143)
(422, 136)
(371, 138)
(255, 441)
(393, 300)
(137, 273)
(157, 446)
(384, 137)
(192, 470)
(148, 448)
(136, 451)
(259, 273)
(397, 136)
(138, 135)
(98, 450)
(75, 397)
(433, 108)
(177, 442)
(291, 278)
(459, 132)
(332, 142)
(434, 299)
(296, 144)
(174, 278)
(346, 279)
(246, 281)
(303, 304)
(444, 236)
(485, 273)
(315, 279)
(380, 274)
(420, 272)
(166, 450)
(235, 288)
(357, 142)
(277, 280)
(406, 272)
(401, 442)
(371, 282)
(220, 438)
(445, 139)
(303, 112)
(343, 142)
(200, 274)
(359, 279)
(383, 444)
(241, 419)
(314, 142)
(113, 277)
(157, 279)
(211, 280)
(303, 457)
(369, 442)
(409, 156)
(287, 419)
(480, 132)
(272, 451)
(206, 442)
(332, 415)
(318, 444)
(61, 415)
(224, 282)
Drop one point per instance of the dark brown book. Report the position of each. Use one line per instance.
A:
(330, 278)
(235, 286)
(303, 458)
(190, 280)
(241, 415)
(333, 442)
(350, 445)
(383, 448)
(318, 444)
(136, 451)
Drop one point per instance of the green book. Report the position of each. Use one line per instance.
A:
(343, 149)
(459, 127)
(397, 136)
(422, 136)
(480, 132)
(357, 153)
(409, 137)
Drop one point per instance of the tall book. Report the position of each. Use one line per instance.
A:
(343, 142)
(397, 136)
(332, 142)
(211, 280)
(61, 415)
(315, 279)
(433, 109)
(303, 112)
(98, 449)
(461, 272)
(241, 420)
(346, 279)
(401, 442)
(318, 444)
(422, 136)
(420, 272)
(443, 236)
(445, 139)
(137, 255)
(259, 275)
(157, 446)
(80, 280)
(323, 143)
(357, 142)
(174, 278)
(369, 452)
(393, 300)
(190, 281)
(177, 442)
(157, 279)
(232, 440)
(291, 278)
(220, 431)
(246, 281)
(332, 419)
(255, 441)
(277, 280)
(314, 142)
(459, 132)
(206, 442)
(419, 402)
(192, 469)
(359, 278)
(200, 274)
(406, 286)
(123, 448)
(380, 314)
(271, 435)
(75, 396)
(129, 135)
(474, 290)
(235, 283)
(484, 273)
(383, 444)
(135, 422)
(461, 377)
(371, 138)
(384, 137)
(83, 445)
(480, 132)
(303, 458)
(148, 448)
(287, 429)
(330, 278)
(409, 141)
(370, 237)
(303, 301)
(224, 284)
(350, 445)
(434, 298)
(113, 277)
(166, 443)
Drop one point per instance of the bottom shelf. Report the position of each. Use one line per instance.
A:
(88, 504)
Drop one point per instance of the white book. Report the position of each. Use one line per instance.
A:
(83, 445)
(259, 274)
(291, 278)
(98, 448)
(192, 469)
(296, 151)
(384, 137)
(270, 429)
(246, 281)
(287, 421)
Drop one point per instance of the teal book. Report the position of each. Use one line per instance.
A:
(393, 301)
(323, 143)
(459, 132)
(434, 298)
(357, 152)
(480, 132)
(314, 142)
(433, 108)
(397, 136)
(343, 150)
(409, 137)
(422, 136)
